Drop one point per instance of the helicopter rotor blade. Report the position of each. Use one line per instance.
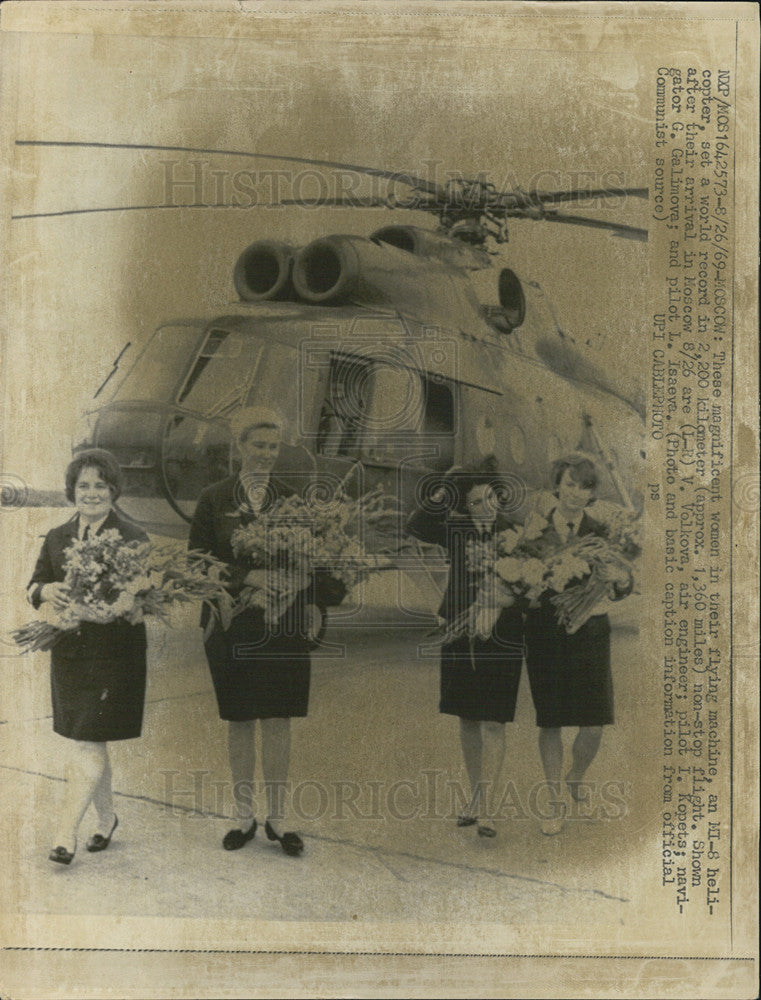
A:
(554, 197)
(305, 202)
(413, 180)
(120, 208)
(350, 202)
(473, 200)
(618, 228)
(442, 198)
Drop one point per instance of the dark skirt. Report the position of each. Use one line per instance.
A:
(256, 674)
(480, 678)
(99, 697)
(570, 675)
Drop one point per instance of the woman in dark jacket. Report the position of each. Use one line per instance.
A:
(479, 676)
(97, 672)
(570, 675)
(259, 671)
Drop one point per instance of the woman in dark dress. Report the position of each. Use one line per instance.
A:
(570, 675)
(260, 672)
(98, 672)
(479, 677)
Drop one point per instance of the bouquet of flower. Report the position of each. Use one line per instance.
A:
(622, 528)
(298, 537)
(109, 579)
(607, 561)
(506, 568)
(604, 565)
(524, 562)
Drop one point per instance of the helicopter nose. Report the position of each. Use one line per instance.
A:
(132, 433)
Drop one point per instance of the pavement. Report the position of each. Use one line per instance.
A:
(374, 779)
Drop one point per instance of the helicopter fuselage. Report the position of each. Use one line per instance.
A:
(382, 389)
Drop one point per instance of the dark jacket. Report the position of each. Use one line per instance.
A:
(570, 675)
(452, 531)
(90, 641)
(221, 509)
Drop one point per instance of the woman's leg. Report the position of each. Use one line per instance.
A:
(84, 771)
(585, 748)
(472, 752)
(103, 800)
(493, 757)
(242, 753)
(551, 752)
(276, 759)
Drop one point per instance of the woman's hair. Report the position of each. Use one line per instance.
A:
(251, 417)
(479, 474)
(581, 468)
(95, 458)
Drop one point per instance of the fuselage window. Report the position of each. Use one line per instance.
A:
(385, 413)
(439, 426)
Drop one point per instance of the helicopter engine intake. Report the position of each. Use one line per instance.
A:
(338, 270)
(263, 272)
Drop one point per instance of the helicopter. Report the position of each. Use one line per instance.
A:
(394, 357)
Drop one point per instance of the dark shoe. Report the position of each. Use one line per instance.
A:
(291, 843)
(61, 855)
(235, 839)
(486, 831)
(98, 842)
(467, 820)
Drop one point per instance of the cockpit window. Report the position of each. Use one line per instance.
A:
(224, 368)
(279, 383)
(161, 366)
